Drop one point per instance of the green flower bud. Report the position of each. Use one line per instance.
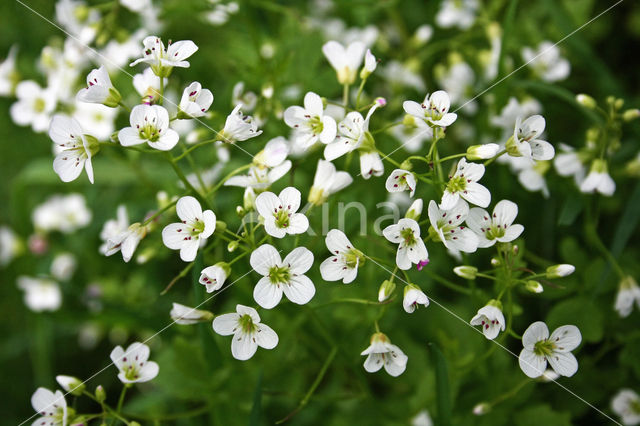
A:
(481, 409)
(221, 226)
(386, 290)
(631, 114)
(71, 384)
(466, 272)
(415, 210)
(559, 271)
(232, 246)
(534, 286)
(586, 101)
(101, 394)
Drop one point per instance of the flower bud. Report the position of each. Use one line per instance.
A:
(370, 64)
(586, 101)
(619, 103)
(381, 102)
(549, 376)
(482, 152)
(71, 384)
(406, 165)
(423, 34)
(465, 271)
(415, 210)
(559, 271)
(185, 315)
(249, 199)
(386, 290)
(240, 211)
(534, 286)
(101, 395)
(232, 246)
(267, 91)
(481, 408)
(221, 226)
(495, 262)
(631, 114)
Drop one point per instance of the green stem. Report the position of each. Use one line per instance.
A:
(451, 157)
(387, 127)
(364, 80)
(194, 147)
(491, 160)
(185, 181)
(121, 399)
(159, 212)
(227, 177)
(387, 158)
(345, 98)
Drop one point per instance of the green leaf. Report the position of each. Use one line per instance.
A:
(256, 409)
(542, 415)
(581, 312)
(443, 396)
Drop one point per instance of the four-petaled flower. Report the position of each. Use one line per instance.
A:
(52, 407)
(525, 142)
(195, 101)
(381, 353)
(401, 180)
(310, 123)
(626, 404)
(282, 276)
(327, 181)
(248, 332)
(99, 89)
(497, 227)
(196, 225)
(434, 109)
(446, 226)
(411, 248)
(491, 319)
(464, 183)
(353, 133)
(76, 148)
(238, 127)
(345, 260)
(163, 60)
(134, 364)
(540, 348)
(279, 212)
(213, 277)
(413, 296)
(150, 124)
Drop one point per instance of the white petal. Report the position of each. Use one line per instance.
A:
(68, 165)
(129, 136)
(564, 364)
(266, 294)
(534, 333)
(299, 260)
(373, 363)
(566, 338)
(512, 233)
(541, 150)
(148, 372)
(298, 223)
(189, 250)
(402, 258)
(263, 258)
(290, 198)
(173, 235)
(266, 337)
(189, 209)
(267, 204)
(300, 289)
(332, 269)
(531, 364)
(477, 194)
(505, 212)
(243, 346)
(337, 241)
(313, 104)
(166, 142)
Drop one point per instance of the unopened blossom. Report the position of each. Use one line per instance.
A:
(213, 277)
(457, 13)
(465, 271)
(63, 266)
(71, 384)
(34, 106)
(413, 296)
(490, 318)
(381, 353)
(353, 133)
(185, 315)
(327, 181)
(434, 109)
(195, 101)
(280, 212)
(239, 127)
(422, 419)
(559, 271)
(134, 364)
(113, 227)
(99, 89)
(51, 407)
(149, 124)
(126, 241)
(40, 294)
(446, 226)
(401, 180)
(8, 73)
(482, 152)
(386, 290)
(310, 122)
(64, 213)
(525, 142)
(161, 59)
(195, 226)
(628, 293)
(147, 84)
(464, 184)
(247, 330)
(346, 61)
(370, 164)
(415, 210)
(540, 348)
(599, 180)
(370, 64)
(282, 276)
(547, 62)
(75, 148)
(344, 261)
(496, 227)
(411, 248)
(626, 405)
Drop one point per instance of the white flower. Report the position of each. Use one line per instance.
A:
(446, 227)
(195, 101)
(64, 213)
(248, 332)
(147, 85)
(413, 297)
(327, 181)
(279, 212)
(598, 179)
(434, 109)
(497, 227)
(34, 106)
(137, 6)
(41, 294)
(411, 248)
(163, 60)
(628, 292)
(401, 180)
(370, 64)
(399, 74)
(195, 226)
(126, 241)
(569, 163)
(530, 173)
(464, 183)
(482, 152)
(382, 353)
(99, 89)
(370, 164)
(540, 348)
(512, 110)
(113, 227)
(150, 124)
(347, 61)
(457, 13)
(76, 148)
(560, 270)
(491, 319)
(626, 404)
(70, 384)
(248, 100)
(184, 315)
(353, 133)
(282, 276)
(239, 127)
(310, 123)
(213, 277)
(524, 142)
(63, 266)
(344, 261)
(10, 245)
(99, 118)
(547, 62)
(134, 364)
(8, 75)
(413, 133)
(78, 19)
(458, 82)
(52, 407)
(422, 419)
(269, 165)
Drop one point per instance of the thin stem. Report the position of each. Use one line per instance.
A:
(121, 399)
(491, 160)
(345, 97)
(194, 147)
(185, 181)
(451, 157)
(124, 106)
(227, 177)
(389, 159)
(386, 127)
(364, 80)
(159, 212)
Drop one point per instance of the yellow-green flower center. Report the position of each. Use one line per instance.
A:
(282, 218)
(149, 132)
(246, 324)
(495, 231)
(315, 124)
(408, 237)
(353, 258)
(544, 348)
(279, 274)
(39, 105)
(457, 184)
